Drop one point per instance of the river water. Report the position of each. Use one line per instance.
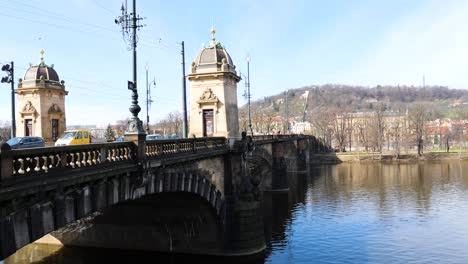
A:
(347, 213)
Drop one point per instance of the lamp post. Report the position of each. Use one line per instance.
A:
(248, 95)
(130, 24)
(10, 79)
(147, 100)
(184, 95)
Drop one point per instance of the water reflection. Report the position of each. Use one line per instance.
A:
(377, 213)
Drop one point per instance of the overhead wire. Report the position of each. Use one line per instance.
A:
(152, 42)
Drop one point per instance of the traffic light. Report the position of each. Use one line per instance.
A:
(6, 79)
(9, 69)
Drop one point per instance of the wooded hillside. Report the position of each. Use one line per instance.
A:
(442, 101)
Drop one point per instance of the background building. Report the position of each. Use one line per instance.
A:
(213, 93)
(41, 103)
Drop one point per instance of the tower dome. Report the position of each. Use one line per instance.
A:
(213, 58)
(41, 71)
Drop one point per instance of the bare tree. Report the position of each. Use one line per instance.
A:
(5, 130)
(362, 129)
(379, 123)
(121, 126)
(171, 124)
(418, 117)
(322, 120)
(396, 134)
(340, 128)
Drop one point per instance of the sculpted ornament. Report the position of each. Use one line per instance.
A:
(29, 108)
(54, 109)
(208, 95)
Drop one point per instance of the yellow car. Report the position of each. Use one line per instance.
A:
(74, 137)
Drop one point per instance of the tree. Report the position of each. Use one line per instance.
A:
(322, 120)
(121, 126)
(109, 135)
(418, 117)
(5, 130)
(379, 126)
(396, 132)
(340, 127)
(171, 124)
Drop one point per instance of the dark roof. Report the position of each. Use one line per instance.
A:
(41, 70)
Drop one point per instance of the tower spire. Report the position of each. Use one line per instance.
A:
(42, 56)
(213, 40)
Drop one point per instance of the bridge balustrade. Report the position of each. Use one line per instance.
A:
(274, 137)
(37, 161)
(159, 148)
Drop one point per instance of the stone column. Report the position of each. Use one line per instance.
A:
(243, 221)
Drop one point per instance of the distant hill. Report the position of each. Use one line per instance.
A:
(442, 101)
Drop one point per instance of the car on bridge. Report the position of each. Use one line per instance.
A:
(154, 136)
(120, 139)
(173, 136)
(74, 137)
(26, 142)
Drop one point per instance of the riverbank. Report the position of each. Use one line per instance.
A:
(372, 157)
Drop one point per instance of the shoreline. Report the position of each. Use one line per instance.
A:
(387, 157)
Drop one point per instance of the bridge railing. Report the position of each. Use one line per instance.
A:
(272, 137)
(159, 148)
(37, 161)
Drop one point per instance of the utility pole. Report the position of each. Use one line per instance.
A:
(129, 23)
(286, 113)
(248, 95)
(10, 78)
(147, 100)
(184, 95)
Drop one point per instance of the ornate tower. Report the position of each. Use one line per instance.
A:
(41, 103)
(213, 93)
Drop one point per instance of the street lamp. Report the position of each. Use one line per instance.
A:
(130, 24)
(248, 94)
(10, 79)
(148, 98)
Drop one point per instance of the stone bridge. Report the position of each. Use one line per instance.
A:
(200, 196)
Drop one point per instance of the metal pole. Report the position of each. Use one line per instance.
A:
(184, 95)
(248, 95)
(13, 119)
(134, 44)
(286, 113)
(147, 100)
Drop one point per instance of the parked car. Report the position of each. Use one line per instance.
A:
(26, 142)
(154, 136)
(120, 139)
(74, 137)
(173, 136)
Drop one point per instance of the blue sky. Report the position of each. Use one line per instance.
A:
(291, 44)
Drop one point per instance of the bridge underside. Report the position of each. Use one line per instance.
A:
(166, 222)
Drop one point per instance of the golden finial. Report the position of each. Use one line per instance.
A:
(213, 32)
(42, 56)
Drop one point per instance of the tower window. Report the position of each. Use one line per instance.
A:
(55, 129)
